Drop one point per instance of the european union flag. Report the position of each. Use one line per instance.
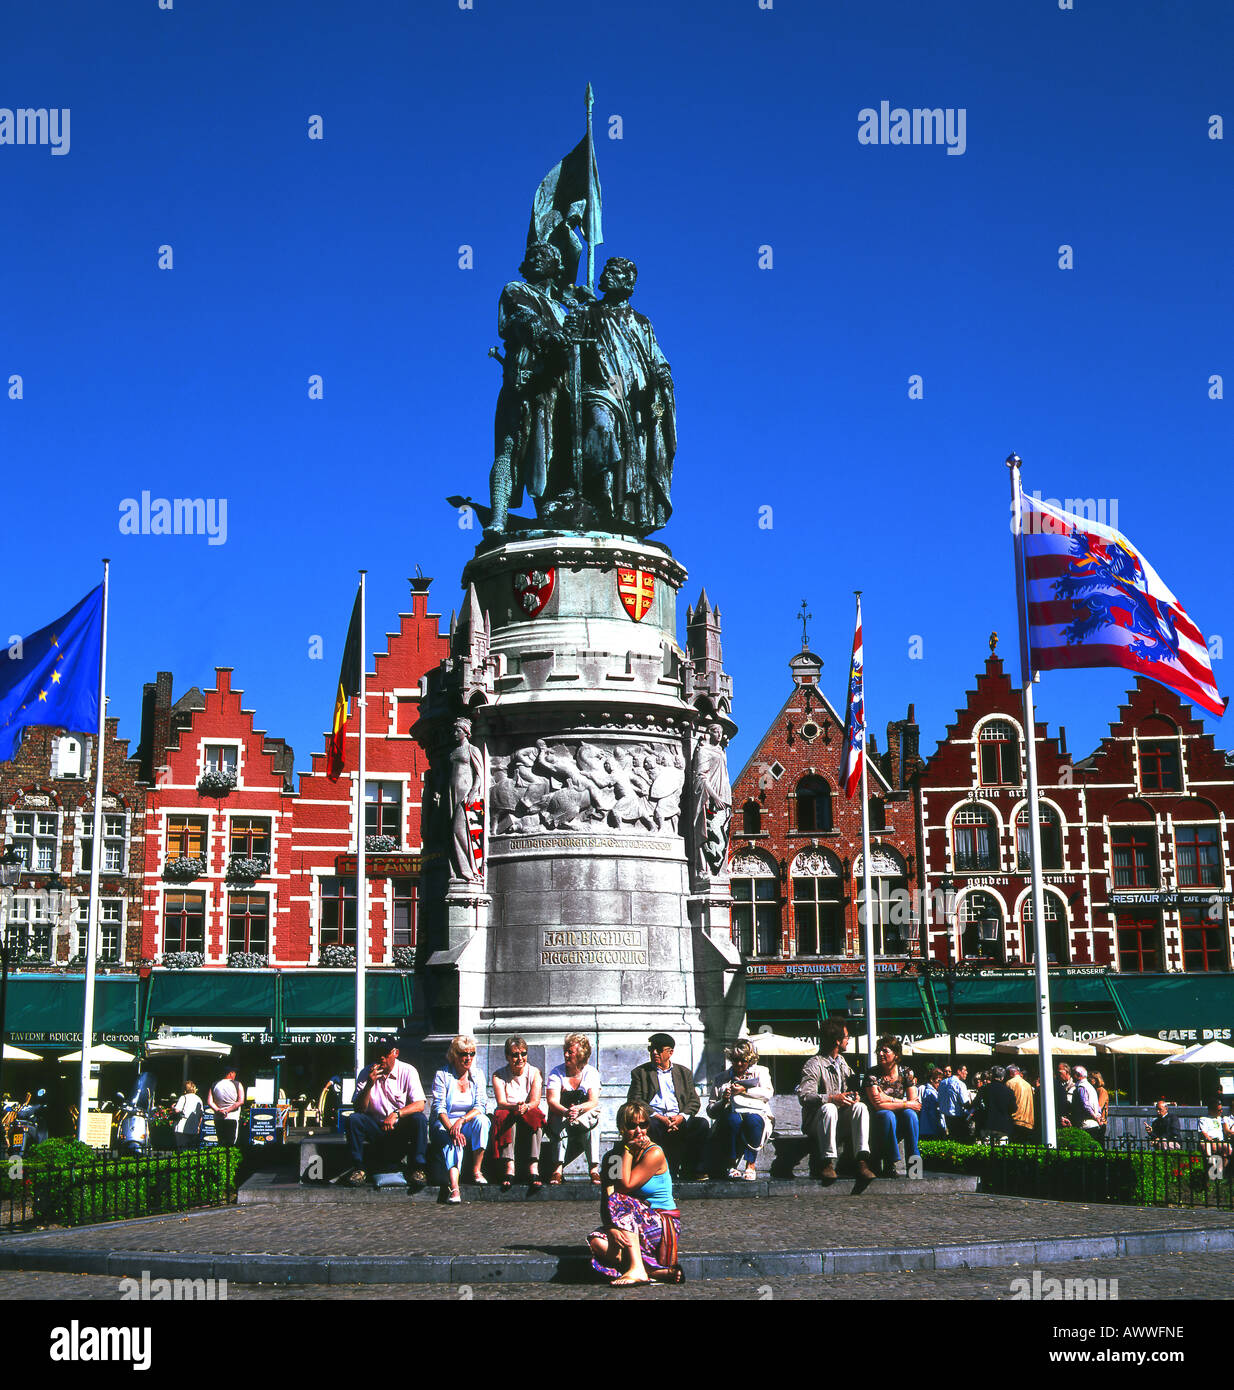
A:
(52, 677)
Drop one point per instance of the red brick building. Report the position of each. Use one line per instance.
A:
(974, 828)
(47, 795)
(796, 838)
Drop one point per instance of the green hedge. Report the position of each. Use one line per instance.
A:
(1081, 1170)
(64, 1183)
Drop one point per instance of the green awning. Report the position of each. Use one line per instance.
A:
(1185, 1008)
(796, 1002)
(183, 997)
(993, 1006)
(47, 1009)
(329, 996)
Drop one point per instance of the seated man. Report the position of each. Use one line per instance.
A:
(667, 1089)
(830, 1105)
(1163, 1130)
(389, 1124)
(1213, 1138)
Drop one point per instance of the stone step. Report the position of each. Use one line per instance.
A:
(283, 1189)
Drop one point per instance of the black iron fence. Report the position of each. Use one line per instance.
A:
(1135, 1170)
(103, 1186)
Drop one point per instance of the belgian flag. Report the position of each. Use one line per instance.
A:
(349, 678)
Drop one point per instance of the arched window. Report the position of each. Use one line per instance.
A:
(1135, 856)
(1051, 838)
(999, 746)
(751, 818)
(813, 804)
(892, 905)
(974, 839)
(818, 909)
(1198, 855)
(1055, 933)
(980, 924)
(755, 886)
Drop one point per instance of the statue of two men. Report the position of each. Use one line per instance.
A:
(586, 407)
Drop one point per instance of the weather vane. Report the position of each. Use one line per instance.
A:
(805, 617)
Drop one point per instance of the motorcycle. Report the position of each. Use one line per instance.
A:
(24, 1123)
(132, 1132)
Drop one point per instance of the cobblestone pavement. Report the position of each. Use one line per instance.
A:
(1156, 1277)
(713, 1226)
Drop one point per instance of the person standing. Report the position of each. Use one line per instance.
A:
(930, 1121)
(1000, 1104)
(954, 1100)
(224, 1102)
(186, 1133)
(1085, 1108)
(1023, 1116)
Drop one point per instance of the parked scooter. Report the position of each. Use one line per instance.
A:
(132, 1132)
(25, 1122)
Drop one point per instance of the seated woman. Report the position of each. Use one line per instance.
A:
(894, 1107)
(518, 1089)
(458, 1118)
(742, 1108)
(574, 1106)
(642, 1226)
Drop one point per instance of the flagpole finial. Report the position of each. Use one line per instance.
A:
(1014, 461)
(993, 643)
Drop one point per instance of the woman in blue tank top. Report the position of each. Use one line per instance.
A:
(642, 1226)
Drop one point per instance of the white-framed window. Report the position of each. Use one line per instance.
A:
(36, 837)
(68, 757)
(30, 927)
(111, 929)
(221, 757)
(999, 749)
(383, 810)
(115, 843)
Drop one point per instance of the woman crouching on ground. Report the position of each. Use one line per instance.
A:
(642, 1223)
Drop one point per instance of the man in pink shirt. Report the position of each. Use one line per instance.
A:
(389, 1125)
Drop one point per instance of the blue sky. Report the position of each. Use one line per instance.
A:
(189, 126)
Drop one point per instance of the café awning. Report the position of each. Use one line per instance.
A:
(46, 1010)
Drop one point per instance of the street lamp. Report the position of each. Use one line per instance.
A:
(12, 866)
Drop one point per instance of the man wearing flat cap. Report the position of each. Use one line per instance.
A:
(668, 1091)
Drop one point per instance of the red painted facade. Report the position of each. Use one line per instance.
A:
(1135, 838)
(295, 904)
(796, 838)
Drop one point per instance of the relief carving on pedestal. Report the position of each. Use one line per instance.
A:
(581, 785)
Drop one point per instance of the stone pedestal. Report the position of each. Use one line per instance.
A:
(588, 717)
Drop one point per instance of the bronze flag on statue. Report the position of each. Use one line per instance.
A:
(568, 198)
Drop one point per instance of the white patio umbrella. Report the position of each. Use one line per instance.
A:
(1135, 1045)
(1201, 1055)
(186, 1045)
(940, 1046)
(1063, 1047)
(777, 1045)
(18, 1054)
(101, 1052)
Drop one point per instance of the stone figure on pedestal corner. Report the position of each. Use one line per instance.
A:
(628, 412)
(711, 805)
(465, 806)
(527, 431)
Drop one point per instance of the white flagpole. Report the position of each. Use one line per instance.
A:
(361, 872)
(591, 212)
(92, 911)
(871, 1005)
(1045, 1059)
